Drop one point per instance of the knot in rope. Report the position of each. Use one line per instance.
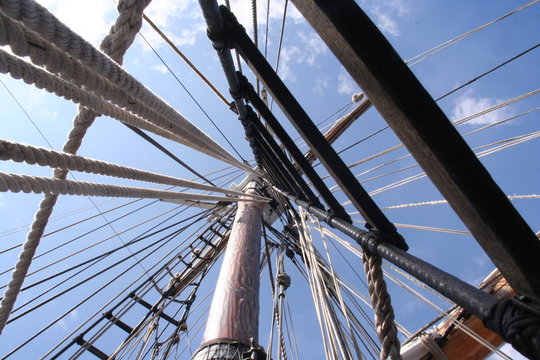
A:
(518, 323)
(284, 280)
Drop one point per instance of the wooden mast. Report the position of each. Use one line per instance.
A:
(233, 321)
(429, 136)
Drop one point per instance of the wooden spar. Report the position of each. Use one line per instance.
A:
(234, 313)
(341, 125)
(430, 137)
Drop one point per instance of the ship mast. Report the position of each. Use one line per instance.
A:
(233, 321)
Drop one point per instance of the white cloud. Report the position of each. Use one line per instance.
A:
(288, 53)
(90, 19)
(160, 68)
(320, 85)
(386, 13)
(164, 12)
(186, 36)
(387, 24)
(313, 47)
(181, 21)
(49, 114)
(410, 307)
(74, 315)
(62, 324)
(467, 105)
(276, 11)
(398, 6)
(345, 84)
(480, 260)
(308, 52)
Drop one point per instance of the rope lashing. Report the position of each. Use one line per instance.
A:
(249, 131)
(222, 43)
(55, 159)
(36, 184)
(518, 323)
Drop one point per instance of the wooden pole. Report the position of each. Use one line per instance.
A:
(234, 313)
(430, 137)
(341, 125)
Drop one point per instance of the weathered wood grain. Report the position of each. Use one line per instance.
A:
(430, 137)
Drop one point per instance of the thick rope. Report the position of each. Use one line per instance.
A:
(40, 20)
(58, 62)
(123, 32)
(81, 123)
(30, 74)
(57, 186)
(34, 155)
(382, 307)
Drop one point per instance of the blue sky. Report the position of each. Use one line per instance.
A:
(322, 86)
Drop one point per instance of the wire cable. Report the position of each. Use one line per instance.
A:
(489, 71)
(191, 96)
